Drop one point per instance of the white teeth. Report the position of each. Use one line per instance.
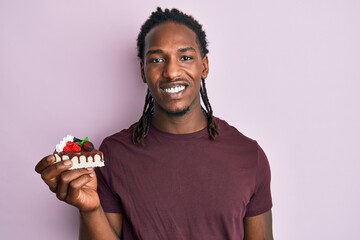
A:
(174, 89)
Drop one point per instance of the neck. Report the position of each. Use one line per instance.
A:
(192, 121)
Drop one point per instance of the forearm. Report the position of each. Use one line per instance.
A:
(95, 225)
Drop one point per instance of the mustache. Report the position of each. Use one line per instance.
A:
(177, 79)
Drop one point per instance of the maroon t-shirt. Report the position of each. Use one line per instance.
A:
(184, 186)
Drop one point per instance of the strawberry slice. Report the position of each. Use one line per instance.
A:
(75, 148)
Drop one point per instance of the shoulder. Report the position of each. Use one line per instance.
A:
(118, 140)
(230, 133)
(125, 135)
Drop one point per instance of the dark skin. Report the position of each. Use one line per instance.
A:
(173, 59)
(172, 68)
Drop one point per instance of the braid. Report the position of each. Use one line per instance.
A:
(158, 17)
(212, 126)
(142, 126)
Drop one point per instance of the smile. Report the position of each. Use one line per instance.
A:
(174, 89)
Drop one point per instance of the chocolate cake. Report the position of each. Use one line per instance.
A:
(81, 152)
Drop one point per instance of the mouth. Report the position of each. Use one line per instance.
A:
(175, 89)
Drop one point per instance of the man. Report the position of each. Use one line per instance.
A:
(179, 172)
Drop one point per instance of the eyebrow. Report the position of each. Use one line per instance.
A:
(185, 49)
(181, 50)
(155, 51)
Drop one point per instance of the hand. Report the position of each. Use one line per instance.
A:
(76, 187)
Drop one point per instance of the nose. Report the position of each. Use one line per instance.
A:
(171, 69)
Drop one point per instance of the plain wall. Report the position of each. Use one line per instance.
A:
(284, 72)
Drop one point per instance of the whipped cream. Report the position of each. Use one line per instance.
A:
(59, 147)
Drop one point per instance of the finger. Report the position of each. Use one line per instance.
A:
(67, 180)
(44, 163)
(78, 186)
(51, 173)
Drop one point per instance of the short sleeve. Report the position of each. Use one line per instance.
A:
(261, 200)
(110, 201)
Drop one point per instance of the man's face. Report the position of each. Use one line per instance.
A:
(173, 67)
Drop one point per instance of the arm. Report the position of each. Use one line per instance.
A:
(100, 225)
(259, 227)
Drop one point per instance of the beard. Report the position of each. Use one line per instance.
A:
(177, 113)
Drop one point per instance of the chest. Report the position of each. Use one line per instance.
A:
(188, 182)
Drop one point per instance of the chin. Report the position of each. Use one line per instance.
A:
(178, 112)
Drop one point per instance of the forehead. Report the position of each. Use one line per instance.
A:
(170, 35)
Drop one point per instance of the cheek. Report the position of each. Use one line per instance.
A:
(152, 73)
(196, 70)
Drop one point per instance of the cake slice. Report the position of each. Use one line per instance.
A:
(81, 152)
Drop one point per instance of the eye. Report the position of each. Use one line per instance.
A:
(156, 60)
(186, 58)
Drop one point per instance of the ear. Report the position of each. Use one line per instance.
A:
(205, 63)
(142, 71)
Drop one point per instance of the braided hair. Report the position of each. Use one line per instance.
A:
(156, 18)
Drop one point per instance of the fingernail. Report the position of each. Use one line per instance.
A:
(67, 162)
(92, 174)
(50, 158)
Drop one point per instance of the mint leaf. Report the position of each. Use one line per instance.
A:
(83, 141)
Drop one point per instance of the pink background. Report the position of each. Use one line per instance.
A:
(283, 72)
